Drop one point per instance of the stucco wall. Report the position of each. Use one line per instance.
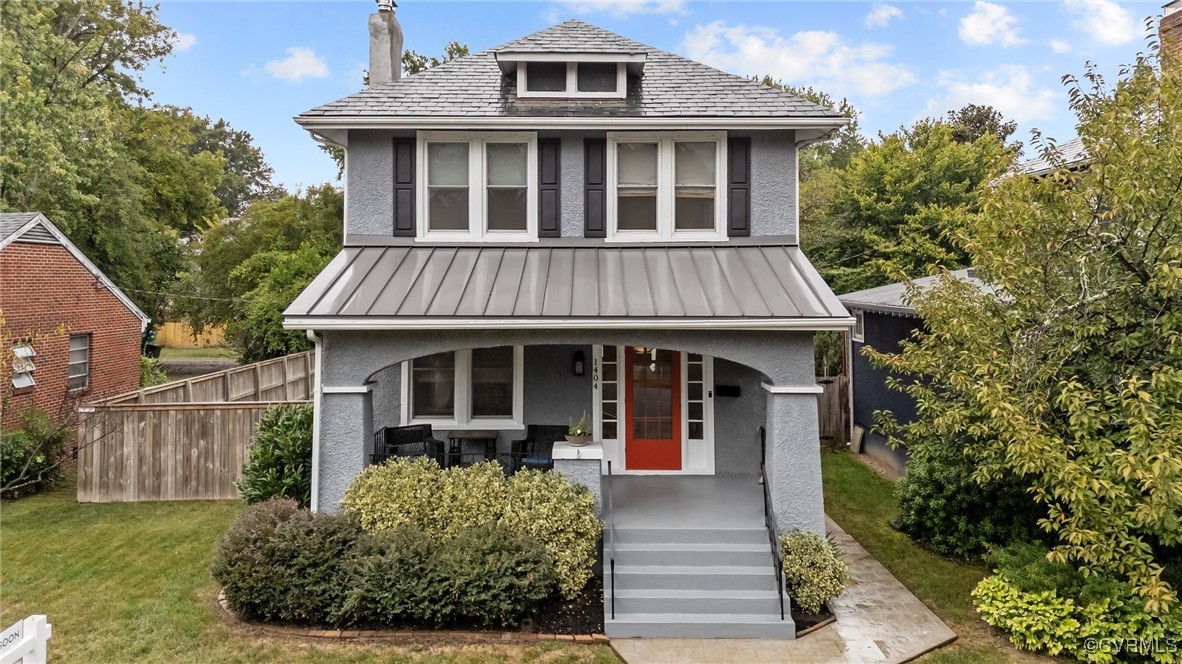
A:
(369, 191)
(737, 419)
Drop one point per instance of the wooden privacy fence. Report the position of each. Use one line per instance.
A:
(833, 408)
(184, 440)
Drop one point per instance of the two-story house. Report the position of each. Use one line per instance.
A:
(574, 222)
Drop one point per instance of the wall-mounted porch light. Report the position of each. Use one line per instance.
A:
(580, 363)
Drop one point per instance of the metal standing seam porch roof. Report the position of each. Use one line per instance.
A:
(498, 286)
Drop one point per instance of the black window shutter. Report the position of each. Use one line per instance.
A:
(404, 187)
(595, 189)
(738, 187)
(549, 166)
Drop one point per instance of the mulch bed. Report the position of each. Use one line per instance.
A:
(807, 623)
(581, 615)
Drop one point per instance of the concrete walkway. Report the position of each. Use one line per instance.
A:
(878, 621)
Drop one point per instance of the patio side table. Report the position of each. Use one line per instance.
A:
(457, 439)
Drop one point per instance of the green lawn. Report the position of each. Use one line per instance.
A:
(210, 352)
(130, 582)
(863, 503)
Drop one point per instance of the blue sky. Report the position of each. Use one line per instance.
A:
(257, 64)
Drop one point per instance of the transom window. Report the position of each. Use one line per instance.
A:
(481, 387)
(666, 187)
(478, 186)
(602, 79)
(22, 365)
(79, 375)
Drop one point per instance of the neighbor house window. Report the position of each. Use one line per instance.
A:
(79, 376)
(479, 387)
(479, 187)
(22, 365)
(666, 186)
(603, 79)
(859, 327)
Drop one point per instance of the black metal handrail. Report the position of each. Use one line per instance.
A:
(769, 520)
(611, 537)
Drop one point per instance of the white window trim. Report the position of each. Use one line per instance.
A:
(478, 230)
(666, 190)
(70, 365)
(462, 399)
(858, 333)
(572, 84)
(23, 351)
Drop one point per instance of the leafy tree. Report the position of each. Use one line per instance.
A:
(246, 175)
(974, 121)
(1067, 371)
(413, 63)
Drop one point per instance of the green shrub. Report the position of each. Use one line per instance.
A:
(280, 463)
(560, 514)
(280, 563)
(391, 578)
(944, 508)
(1038, 621)
(151, 372)
(498, 575)
(544, 505)
(814, 572)
(31, 457)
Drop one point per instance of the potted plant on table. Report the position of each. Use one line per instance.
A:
(579, 433)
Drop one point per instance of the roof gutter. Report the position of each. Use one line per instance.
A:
(315, 124)
(836, 323)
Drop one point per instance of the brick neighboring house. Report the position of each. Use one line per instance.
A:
(68, 335)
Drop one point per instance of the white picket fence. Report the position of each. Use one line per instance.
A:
(25, 642)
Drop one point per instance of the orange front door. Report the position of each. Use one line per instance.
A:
(652, 409)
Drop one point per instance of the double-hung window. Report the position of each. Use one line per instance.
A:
(22, 365)
(481, 387)
(666, 186)
(79, 372)
(478, 186)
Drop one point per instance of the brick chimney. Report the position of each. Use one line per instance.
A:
(1170, 30)
(385, 45)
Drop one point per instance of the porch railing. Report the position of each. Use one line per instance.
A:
(611, 538)
(769, 519)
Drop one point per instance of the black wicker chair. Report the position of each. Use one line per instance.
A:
(409, 441)
(537, 449)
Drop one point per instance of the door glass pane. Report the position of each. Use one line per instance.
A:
(433, 385)
(507, 164)
(652, 394)
(695, 175)
(546, 77)
(597, 77)
(492, 382)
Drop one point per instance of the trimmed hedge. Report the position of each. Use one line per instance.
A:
(280, 463)
(545, 505)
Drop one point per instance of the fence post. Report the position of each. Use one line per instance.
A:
(25, 642)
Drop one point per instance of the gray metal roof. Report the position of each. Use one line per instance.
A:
(671, 87)
(892, 298)
(534, 285)
(1064, 155)
(11, 222)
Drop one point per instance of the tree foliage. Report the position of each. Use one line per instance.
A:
(1067, 371)
(974, 121)
(413, 63)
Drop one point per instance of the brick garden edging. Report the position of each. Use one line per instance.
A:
(471, 636)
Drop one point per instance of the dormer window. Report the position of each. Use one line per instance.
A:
(584, 80)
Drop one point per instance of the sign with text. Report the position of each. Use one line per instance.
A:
(25, 642)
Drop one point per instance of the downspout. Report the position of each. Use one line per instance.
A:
(316, 406)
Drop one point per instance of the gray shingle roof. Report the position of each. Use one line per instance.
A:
(892, 298)
(671, 87)
(536, 285)
(11, 222)
(1065, 155)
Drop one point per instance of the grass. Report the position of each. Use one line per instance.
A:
(130, 582)
(210, 352)
(863, 503)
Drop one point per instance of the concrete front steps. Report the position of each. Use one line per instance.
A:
(693, 583)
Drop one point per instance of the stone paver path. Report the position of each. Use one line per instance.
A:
(878, 622)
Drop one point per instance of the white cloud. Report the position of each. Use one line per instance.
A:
(881, 14)
(301, 62)
(625, 8)
(1060, 45)
(813, 57)
(1104, 21)
(1009, 88)
(989, 23)
(183, 42)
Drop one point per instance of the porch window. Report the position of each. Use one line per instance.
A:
(478, 186)
(476, 388)
(666, 186)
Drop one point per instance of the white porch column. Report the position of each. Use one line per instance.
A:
(794, 457)
(346, 440)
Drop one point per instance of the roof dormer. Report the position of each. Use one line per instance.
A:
(566, 75)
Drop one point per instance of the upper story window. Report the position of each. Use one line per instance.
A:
(478, 187)
(22, 365)
(79, 370)
(587, 80)
(666, 186)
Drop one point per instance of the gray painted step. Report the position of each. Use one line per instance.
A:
(684, 625)
(691, 577)
(742, 535)
(695, 554)
(762, 602)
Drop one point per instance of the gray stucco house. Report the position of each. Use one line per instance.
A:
(576, 222)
